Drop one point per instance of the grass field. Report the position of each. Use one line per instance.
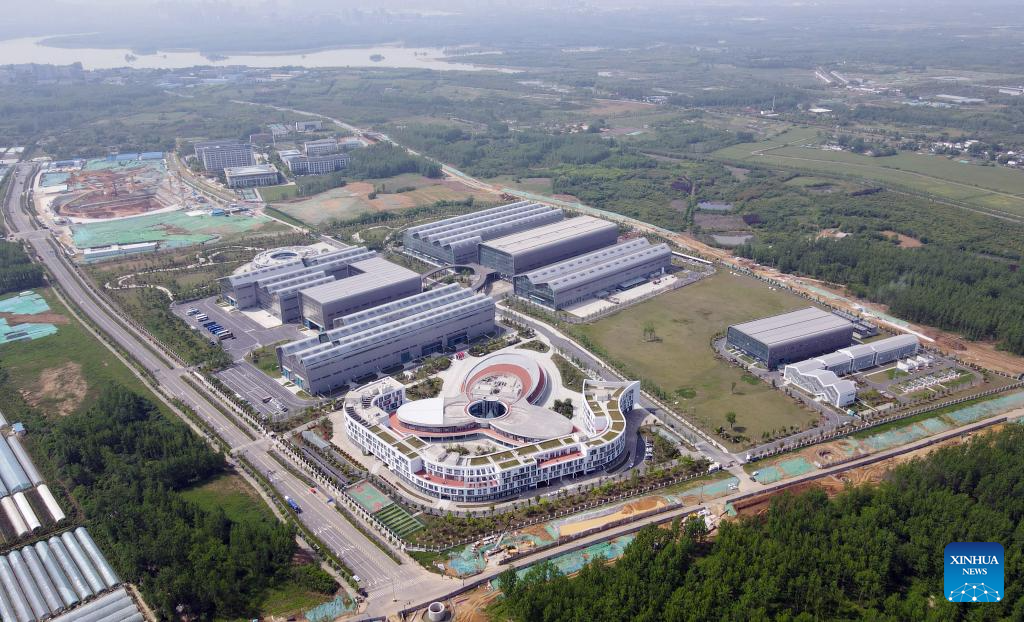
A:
(682, 361)
(232, 494)
(265, 358)
(65, 372)
(273, 194)
(989, 187)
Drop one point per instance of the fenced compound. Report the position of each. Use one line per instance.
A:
(369, 497)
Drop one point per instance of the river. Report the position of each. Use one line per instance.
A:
(30, 50)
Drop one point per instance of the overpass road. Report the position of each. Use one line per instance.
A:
(379, 572)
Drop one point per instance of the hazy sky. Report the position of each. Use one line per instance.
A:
(258, 25)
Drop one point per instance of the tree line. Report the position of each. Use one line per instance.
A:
(499, 151)
(17, 272)
(874, 552)
(935, 285)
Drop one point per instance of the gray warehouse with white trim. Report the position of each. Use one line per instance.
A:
(392, 334)
(456, 240)
(528, 250)
(574, 280)
(791, 337)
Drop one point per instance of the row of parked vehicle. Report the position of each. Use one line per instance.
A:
(212, 326)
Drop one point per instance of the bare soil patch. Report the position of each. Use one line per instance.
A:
(13, 319)
(837, 483)
(719, 222)
(905, 240)
(836, 234)
(64, 386)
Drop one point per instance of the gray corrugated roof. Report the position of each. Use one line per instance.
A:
(373, 336)
(834, 358)
(786, 327)
(893, 343)
(585, 268)
(547, 235)
(858, 350)
(376, 273)
(457, 221)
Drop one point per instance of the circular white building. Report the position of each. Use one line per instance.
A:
(496, 400)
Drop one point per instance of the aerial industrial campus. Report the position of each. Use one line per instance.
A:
(448, 368)
(626, 314)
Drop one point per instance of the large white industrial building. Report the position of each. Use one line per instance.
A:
(528, 250)
(820, 376)
(277, 278)
(456, 240)
(371, 282)
(392, 334)
(791, 337)
(580, 278)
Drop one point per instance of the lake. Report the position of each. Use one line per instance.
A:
(29, 50)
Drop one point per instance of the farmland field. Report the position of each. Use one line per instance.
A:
(989, 187)
(682, 358)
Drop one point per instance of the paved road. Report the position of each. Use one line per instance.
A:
(377, 569)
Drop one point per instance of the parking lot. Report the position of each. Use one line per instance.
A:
(244, 378)
(249, 334)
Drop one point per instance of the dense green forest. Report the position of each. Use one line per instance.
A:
(498, 151)
(872, 553)
(17, 272)
(935, 285)
(125, 464)
(387, 160)
(1001, 124)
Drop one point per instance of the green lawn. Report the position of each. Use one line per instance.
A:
(265, 358)
(682, 358)
(232, 494)
(273, 194)
(63, 373)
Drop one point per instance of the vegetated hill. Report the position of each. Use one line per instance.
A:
(872, 553)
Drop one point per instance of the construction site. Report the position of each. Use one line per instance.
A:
(111, 188)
